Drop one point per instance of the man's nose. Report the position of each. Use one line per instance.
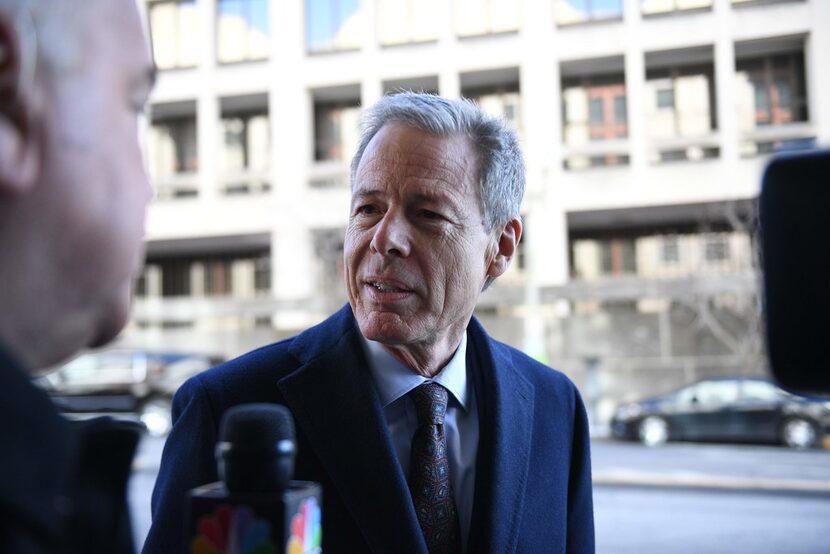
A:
(391, 236)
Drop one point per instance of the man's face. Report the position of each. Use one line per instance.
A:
(416, 250)
(93, 187)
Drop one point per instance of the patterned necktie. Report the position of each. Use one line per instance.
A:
(429, 481)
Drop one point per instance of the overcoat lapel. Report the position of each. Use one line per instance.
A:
(505, 407)
(335, 403)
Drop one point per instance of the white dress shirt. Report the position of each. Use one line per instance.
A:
(394, 380)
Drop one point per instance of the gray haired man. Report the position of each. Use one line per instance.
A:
(426, 434)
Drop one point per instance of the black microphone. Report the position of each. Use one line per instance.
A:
(256, 508)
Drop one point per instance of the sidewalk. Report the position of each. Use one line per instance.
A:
(706, 466)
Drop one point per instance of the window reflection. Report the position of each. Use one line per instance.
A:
(336, 130)
(650, 7)
(172, 147)
(175, 33)
(771, 90)
(404, 21)
(242, 30)
(333, 25)
(568, 12)
(481, 17)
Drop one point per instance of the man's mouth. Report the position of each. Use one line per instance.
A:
(383, 287)
(387, 286)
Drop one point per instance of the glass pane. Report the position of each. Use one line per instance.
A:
(692, 103)
(259, 143)
(620, 114)
(333, 24)
(629, 258)
(242, 30)
(336, 131)
(665, 98)
(392, 19)
(233, 151)
(576, 115)
(424, 25)
(471, 17)
(671, 249)
(717, 392)
(570, 11)
(759, 390)
(189, 43)
(163, 19)
(596, 110)
(602, 9)
(504, 15)
(656, 6)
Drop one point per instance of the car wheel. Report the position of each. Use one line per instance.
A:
(155, 414)
(653, 431)
(799, 433)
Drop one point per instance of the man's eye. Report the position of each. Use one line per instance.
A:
(429, 214)
(368, 209)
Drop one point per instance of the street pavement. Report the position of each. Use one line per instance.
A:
(736, 467)
(678, 498)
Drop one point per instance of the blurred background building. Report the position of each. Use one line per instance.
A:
(645, 124)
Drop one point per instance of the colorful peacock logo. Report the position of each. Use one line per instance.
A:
(233, 531)
(306, 531)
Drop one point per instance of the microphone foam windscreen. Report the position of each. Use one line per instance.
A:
(256, 426)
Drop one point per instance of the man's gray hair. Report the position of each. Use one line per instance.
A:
(501, 167)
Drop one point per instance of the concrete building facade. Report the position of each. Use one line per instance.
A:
(646, 125)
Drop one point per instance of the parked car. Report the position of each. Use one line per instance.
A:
(124, 383)
(738, 409)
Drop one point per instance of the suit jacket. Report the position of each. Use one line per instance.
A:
(63, 485)
(533, 477)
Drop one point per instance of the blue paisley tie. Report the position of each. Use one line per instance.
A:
(429, 481)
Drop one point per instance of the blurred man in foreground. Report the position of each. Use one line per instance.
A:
(74, 75)
(426, 434)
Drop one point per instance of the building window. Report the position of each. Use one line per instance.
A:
(246, 144)
(680, 102)
(218, 277)
(597, 111)
(502, 101)
(335, 130)
(617, 256)
(716, 248)
(652, 7)
(241, 275)
(568, 12)
(620, 111)
(175, 277)
(172, 147)
(262, 274)
(772, 90)
(405, 21)
(665, 99)
(333, 25)
(670, 251)
(594, 109)
(175, 33)
(328, 249)
(242, 30)
(481, 17)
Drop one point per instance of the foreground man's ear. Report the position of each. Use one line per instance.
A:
(508, 242)
(19, 149)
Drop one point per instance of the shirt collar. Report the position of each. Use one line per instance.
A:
(394, 380)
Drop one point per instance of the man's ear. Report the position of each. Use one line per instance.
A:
(19, 149)
(508, 241)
